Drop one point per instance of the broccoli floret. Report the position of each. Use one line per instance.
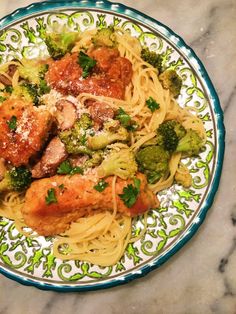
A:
(16, 179)
(32, 70)
(27, 91)
(153, 161)
(168, 134)
(95, 160)
(183, 177)
(152, 58)
(59, 44)
(104, 37)
(85, 122)
(34, 84)
(191, 144)
(108, 136)
(75, 138)
(172, 81)
(121, 164)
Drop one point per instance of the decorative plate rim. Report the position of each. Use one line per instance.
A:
(190, 55)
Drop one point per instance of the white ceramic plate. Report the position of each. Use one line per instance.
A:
(30, 261)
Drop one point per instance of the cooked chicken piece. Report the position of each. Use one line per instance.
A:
(54, 154)
(76, 197)
(100, 112)
(24, 129)
(104, 57)
(121, 69)
(66, 114)
(3, 168)
(109, 77)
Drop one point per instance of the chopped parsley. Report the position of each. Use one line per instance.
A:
(66, 168)
(77, 170)
(8, 89)
(125, 120)
(86, 63)
(2, 98)
(101, 186)
(51, 197)
(61, 186)
(130, 193)
(152, 104)
(12, 123)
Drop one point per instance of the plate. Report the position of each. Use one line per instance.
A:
(30, 261)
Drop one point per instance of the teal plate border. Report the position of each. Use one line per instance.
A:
(203, 75)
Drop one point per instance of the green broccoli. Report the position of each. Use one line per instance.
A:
(183, 178)
(121, 164)
(32, 71)
(104, 37)
(126, 120)
(75, 138)
(85, 122)
(191, 144)
(153, 161)
(34, 84)
(59, 44)
(169, 133)
(152, 58)
(27, 91)
(95, 159)
(172, 81)
(111, 133)
(16, 179)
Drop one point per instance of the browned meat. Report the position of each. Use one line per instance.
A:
(54, 154)
(104, 57)
(120, 69)
(77, 197)
(4, 80)
(109, 78)
(24, 138)
(100, 112)
(12, 69)
(78, 160)
(66, 114)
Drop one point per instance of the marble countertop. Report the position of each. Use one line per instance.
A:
(201, 278)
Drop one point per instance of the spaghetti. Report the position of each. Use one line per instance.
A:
(101, 238)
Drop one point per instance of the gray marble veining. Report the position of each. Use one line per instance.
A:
(201, 278)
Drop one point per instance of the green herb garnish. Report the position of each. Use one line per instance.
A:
(66, 168)
(12, 123)
(51, 197)
(101, 186)
(125, 120)
(130, 193)
(86, 63)
(61, 186)
(8, 89)
(77, 170)
(2, 98)
(152, 104)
